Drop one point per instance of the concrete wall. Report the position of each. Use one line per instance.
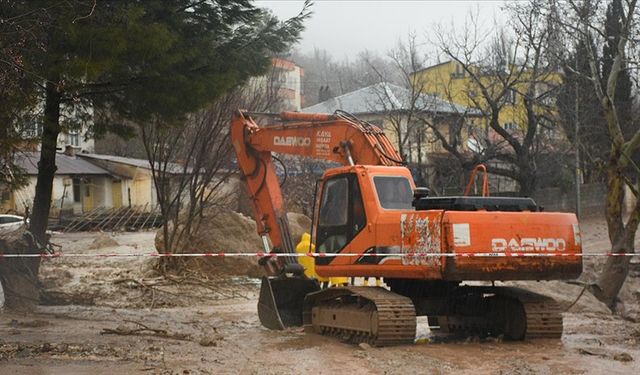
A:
(137, 184)
(592, 199)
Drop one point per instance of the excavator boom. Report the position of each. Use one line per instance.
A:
(339, 138)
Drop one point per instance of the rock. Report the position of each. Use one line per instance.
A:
(24, 353)
(499, 338)
(623, 357)
(210, 340)
(472, 340)
(364, 346)
(298, 225)
(598, 352)
(19, 277)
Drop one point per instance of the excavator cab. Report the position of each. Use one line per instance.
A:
(340, 215)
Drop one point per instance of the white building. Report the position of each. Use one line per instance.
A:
(289, 76)
(74, 135)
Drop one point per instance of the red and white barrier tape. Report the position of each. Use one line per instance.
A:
(315, 255)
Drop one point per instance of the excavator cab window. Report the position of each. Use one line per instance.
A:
(394, 192)
(341, 214)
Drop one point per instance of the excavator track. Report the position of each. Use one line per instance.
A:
(361, 314)
(543, 314)
(516, 314)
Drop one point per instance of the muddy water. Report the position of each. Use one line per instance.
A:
(213, 329)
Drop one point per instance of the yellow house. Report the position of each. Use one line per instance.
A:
(136, 186)
(450, 81)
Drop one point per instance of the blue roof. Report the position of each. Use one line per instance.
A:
(385, 97)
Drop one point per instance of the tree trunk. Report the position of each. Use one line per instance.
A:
(621, 236)
(19, 276)
(612, 278)
(527, 185)
(47, 164)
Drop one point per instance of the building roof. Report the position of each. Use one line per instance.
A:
(432, 66)
(385, 97)
(67, 165)
(139, 163)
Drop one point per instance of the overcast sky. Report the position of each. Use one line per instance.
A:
(345, 28)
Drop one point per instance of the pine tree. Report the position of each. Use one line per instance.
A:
(124, 62)
(140, 61)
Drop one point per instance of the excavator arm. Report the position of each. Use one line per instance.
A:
(340, 138)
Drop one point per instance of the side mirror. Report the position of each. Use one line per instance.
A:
(421, 192)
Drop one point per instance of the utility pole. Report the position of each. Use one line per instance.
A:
(576, 139)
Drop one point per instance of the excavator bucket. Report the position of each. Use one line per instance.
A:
(281, 300)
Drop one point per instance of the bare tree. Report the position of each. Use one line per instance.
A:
(333, 78)
(501, 70)
(407, 111)
(584, 20)
(191, 162)
(399, 107)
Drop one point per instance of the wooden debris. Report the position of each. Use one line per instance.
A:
(144, 330)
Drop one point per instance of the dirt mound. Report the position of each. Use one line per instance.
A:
(298, 224)
(230, 232)
(102, 241)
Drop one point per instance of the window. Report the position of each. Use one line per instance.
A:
(9, 219)
(510, 96)
(76, 190)
(334, 202)
(357, 209)
(33, 130)
(394, 193)
(341, 215)
(459, 71)
(73, 138)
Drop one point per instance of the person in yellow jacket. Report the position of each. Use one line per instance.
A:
(309, 263)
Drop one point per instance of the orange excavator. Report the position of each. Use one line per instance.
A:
(370, 220)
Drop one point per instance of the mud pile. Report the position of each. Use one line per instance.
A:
(102, 241)
(230, 232)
